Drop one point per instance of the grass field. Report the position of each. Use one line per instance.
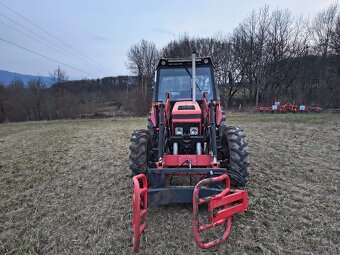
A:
(65, 188)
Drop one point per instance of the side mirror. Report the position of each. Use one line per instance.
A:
(231, 78)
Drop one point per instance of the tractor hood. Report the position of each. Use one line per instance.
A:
(186, 110)
(187, 115)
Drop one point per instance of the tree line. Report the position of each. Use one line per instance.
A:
(66, 99)
(274, 57)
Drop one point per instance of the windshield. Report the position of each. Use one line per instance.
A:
(177, 82)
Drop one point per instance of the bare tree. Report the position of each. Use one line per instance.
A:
(37, 91)
(287, 40)
(218, 47)
(142, 61)
(322, 29)
(3, 99)
(180, 48)
(17, 103)
(335, 41)
(58, 75)
(62, 102)
(250, 39)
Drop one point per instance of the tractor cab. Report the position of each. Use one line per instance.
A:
(174, 77)
(185, 87)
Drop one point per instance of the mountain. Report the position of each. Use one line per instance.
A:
(6, 77)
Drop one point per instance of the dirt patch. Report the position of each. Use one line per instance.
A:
(66, 189)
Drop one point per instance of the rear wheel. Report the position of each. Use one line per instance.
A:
(234, 155)
(140, 145)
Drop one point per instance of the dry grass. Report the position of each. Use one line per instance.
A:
(65, 189)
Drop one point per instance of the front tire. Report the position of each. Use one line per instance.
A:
(235, 155)
(140, 145)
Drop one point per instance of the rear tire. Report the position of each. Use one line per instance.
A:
(140, 145)
(235, 155)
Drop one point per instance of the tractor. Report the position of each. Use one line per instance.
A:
(187, 135)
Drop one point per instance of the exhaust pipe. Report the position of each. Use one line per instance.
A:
(175, 148)
(193, 77)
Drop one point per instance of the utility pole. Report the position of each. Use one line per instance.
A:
(127, 88)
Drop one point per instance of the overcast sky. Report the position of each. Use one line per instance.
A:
(102, 31)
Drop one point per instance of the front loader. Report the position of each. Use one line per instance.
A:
(187, 135)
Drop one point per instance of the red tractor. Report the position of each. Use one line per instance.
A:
(187, 135)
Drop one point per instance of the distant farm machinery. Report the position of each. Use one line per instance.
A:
(288, 107)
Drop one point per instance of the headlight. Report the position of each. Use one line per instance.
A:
(178, 131)
(193, 131)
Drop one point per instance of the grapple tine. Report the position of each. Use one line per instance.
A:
(139, 208)
(227, 204)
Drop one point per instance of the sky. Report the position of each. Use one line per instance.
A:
(90, 39)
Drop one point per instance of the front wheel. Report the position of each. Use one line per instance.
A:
(140, 145)
(235, 156)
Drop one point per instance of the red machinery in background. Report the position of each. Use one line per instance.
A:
(288, 107)
(264, 109)
(316, 109)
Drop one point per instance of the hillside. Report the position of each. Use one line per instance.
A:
(6, 77)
